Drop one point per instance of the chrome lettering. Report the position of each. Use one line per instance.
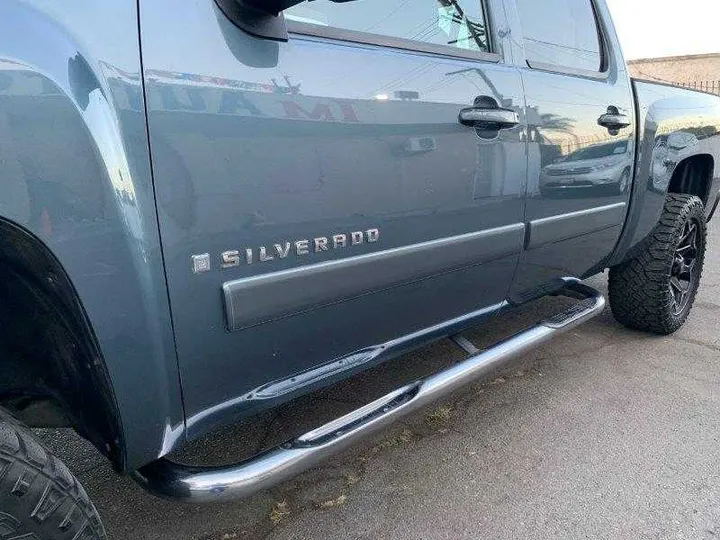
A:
(229, 259)
(264, 257)
(302, 247)
(282, 250)
(321, 244)
(357, 238)
(234, 257)
(339, 241)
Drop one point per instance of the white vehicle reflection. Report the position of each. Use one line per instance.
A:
(668, 152)
(593, 166)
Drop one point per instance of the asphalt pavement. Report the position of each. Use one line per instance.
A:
(602, 433)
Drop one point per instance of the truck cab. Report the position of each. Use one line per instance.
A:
(324, 197)
(212, 208)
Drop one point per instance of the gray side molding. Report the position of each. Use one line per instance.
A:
(262, 298)
(564, 226)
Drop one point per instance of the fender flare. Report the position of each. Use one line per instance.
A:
(76, 175)
(80, 380)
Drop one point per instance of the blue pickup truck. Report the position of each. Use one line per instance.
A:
(211, 209)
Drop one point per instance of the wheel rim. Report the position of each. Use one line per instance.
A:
(683, 275)
(624, 181)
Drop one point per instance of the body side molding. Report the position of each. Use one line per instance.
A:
(565, 226)
(262, 298)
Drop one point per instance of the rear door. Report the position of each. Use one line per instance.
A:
(580, 162)
(319, 198)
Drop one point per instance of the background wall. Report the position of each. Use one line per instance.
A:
(699, 71)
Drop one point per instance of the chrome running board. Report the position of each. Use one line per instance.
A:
(205, 484)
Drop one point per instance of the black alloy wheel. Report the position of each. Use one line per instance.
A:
(684, 272)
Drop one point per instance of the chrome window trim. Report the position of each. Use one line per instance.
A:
(575, 72)
(366, 38)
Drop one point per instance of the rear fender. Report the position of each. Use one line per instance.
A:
(674, 125)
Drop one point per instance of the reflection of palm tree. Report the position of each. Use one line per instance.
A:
(478, 32)
(549, 122)
(481, 72)
(539, 123)
(556, 122)
(477, 29)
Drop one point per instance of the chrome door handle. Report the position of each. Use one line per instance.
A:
(488, 118)
(614, 121)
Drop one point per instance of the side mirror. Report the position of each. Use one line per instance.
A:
(247, 49)
(260, 18)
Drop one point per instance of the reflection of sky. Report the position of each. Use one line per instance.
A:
(113, 38)
(562, 32)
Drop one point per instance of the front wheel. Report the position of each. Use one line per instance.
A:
(655, 290)
(39, 498)
(623, 183)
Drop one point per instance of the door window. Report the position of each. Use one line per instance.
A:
(561, 33)
(451, 23)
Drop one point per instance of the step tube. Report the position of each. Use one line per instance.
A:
(221, 484)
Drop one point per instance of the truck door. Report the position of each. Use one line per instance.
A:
(322, 197)
(581, 139)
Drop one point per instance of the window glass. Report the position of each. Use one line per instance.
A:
(561, 32)
(458, 24)
(598, 151)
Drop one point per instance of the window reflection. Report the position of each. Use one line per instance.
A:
(460, 25)
(561, 32)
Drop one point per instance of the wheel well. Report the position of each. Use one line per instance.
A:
(693, 176)
(51, 369)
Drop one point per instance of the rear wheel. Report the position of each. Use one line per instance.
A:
(39, 498)
(655, 291)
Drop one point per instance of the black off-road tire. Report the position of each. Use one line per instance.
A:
(39, 498)
(642, 293)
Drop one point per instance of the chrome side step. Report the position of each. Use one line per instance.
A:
(205, 484)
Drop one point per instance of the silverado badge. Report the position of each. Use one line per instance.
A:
(249, 255)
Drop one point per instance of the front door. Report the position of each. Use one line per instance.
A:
(319, 198)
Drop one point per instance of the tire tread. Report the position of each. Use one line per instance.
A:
(638, 288)
(29, 461)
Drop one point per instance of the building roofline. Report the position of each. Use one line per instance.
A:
(674, 58)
